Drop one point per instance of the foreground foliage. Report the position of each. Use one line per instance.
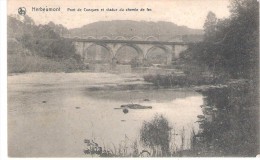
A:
(233, 127)
(156, 134)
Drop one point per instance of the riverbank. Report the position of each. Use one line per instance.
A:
(25, 64)
(129, 81)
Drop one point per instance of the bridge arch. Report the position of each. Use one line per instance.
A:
(107, 49)
(135, 47)
(120, 38)
(136, 38)
(151, 38)
(166, 56)
(138, 54)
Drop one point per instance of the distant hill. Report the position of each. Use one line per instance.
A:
(164, 30)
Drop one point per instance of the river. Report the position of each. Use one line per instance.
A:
(50, 114)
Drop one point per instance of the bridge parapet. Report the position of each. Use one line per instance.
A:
(165, 38)
(128, 41)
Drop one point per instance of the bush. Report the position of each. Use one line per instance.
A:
(179, 80)
(156, 134)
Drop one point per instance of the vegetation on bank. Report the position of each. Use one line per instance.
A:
(22, 64)
(229, 49)
(173, 80)
(39, 48)
(233, 128)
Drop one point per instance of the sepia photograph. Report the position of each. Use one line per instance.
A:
(133, 78)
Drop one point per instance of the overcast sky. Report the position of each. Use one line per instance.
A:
(191, 13)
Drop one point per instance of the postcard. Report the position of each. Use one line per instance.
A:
(133, 78)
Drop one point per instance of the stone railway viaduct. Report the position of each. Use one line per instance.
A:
(143, 47)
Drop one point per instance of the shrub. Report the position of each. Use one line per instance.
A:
(156, 134)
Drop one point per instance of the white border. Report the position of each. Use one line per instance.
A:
(3, 80)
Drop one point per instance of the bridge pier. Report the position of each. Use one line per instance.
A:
(114, 60)
(173, 52)
(169, 59)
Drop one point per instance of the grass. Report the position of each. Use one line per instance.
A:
(21, 64)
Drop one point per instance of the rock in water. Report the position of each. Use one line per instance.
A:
(125, 110)
(135, 106)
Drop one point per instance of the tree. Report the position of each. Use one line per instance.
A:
(42, 39)
(210, 26)
(240, 45)
(156, 133)
(28, 20)
(230, 46)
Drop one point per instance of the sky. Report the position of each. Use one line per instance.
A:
(190, 13)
